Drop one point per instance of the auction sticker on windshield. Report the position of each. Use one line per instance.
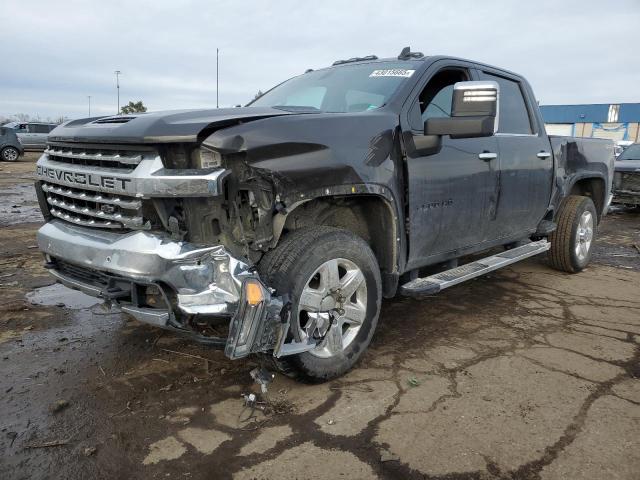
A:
(392, 72)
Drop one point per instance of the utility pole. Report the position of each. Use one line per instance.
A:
(217, 77)
(89, 97)
(118, 73)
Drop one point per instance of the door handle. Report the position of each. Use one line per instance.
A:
(487, 156)
(543, 155)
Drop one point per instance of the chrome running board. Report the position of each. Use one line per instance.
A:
(434, 283)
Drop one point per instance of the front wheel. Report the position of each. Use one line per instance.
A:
(572, 241)
(334, 282)
(10, 154)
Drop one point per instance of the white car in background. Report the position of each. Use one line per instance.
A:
(32, 135)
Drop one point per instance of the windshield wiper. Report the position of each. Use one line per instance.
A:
(296, 108)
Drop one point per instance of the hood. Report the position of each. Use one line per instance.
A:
(157, 127)
(627, 166)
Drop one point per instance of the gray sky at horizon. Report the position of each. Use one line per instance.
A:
(56, 53)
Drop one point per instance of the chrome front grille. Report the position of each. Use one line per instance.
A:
(630, 181)
(96, 156)
(94, 209)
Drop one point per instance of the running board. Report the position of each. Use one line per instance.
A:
(434, 283)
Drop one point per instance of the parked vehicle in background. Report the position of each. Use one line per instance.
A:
(621, 146)
(32, 135)
(290, 219)
(626, 180)
(10, 147)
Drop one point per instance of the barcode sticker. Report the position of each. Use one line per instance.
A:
(393, 72)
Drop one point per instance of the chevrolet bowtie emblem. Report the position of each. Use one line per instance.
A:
(107, 209)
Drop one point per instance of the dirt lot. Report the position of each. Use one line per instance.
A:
(526, 373)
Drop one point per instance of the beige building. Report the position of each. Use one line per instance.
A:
(618, 122)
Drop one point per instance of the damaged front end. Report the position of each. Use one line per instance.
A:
(173, 285)
(169, 234)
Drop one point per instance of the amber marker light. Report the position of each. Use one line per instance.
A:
(254, 293)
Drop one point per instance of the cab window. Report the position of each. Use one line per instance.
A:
(513, 112)
(435, 98)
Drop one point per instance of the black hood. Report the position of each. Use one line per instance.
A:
(157, 127)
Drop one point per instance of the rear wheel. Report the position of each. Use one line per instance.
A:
(572, 241)
(9, 154)
(334, 282)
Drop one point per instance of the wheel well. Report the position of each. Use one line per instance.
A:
(368, 216)
(593, 188)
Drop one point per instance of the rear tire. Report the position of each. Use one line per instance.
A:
(9, 154)
(306, 264)
(572, 241)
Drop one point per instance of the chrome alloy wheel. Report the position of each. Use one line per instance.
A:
(584, 235)
(333, 306)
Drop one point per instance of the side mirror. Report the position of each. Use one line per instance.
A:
(474, 112)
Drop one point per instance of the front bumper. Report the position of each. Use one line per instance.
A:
(193, 282)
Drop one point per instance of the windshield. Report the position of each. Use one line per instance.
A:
(632, 152)
(347, 88)
(10, 125)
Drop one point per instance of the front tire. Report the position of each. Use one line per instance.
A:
(572, 241)
(334, 282)
(9, 154)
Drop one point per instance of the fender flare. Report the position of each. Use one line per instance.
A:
(295, 200)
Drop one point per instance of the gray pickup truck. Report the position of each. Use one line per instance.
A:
(289, 220)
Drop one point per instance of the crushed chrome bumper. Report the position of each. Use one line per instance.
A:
(207, 282)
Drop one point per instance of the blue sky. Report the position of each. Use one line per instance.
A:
(56, 53)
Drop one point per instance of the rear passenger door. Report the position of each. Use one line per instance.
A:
(525, 160)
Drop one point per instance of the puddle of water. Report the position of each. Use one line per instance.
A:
(59, 295)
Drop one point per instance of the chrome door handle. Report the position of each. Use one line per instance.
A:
(487, 156)
(543, 155)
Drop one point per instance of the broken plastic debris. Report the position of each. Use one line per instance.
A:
(249, 400)
(262, 377)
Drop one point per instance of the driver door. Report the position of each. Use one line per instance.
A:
(452, 188)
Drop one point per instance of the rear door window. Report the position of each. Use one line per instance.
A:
(36, 128)
(513, 115)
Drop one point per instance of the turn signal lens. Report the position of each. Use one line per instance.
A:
(254, 293)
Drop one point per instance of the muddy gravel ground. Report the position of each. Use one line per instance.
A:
(525, 373)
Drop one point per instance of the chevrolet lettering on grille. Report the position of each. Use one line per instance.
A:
(79, 178)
